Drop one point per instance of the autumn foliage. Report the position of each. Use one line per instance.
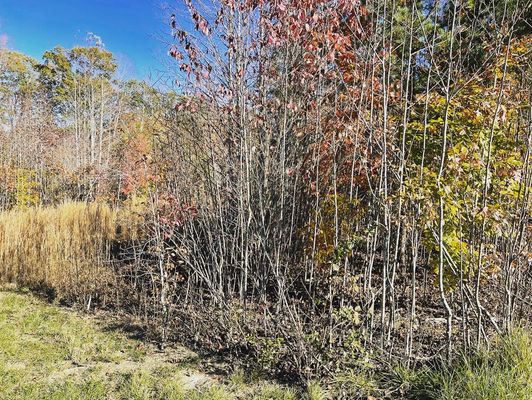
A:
(333, 180)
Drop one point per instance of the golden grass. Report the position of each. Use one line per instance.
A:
(64, 248)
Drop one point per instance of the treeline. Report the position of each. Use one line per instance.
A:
(71, 129)
(337, 182)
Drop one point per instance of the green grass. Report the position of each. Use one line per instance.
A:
(47, 352)
(501, 371)
(504, 371)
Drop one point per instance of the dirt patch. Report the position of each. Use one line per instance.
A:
(152, 362)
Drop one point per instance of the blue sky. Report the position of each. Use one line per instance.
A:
(134, 30)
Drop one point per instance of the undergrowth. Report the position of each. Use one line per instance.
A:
(502, 370)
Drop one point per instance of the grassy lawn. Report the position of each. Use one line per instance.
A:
(51, 353)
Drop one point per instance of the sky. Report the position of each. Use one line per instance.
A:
(134, 30)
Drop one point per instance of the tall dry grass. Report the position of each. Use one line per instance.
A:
(65, 248)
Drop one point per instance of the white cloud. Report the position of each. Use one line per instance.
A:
(95, 40)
